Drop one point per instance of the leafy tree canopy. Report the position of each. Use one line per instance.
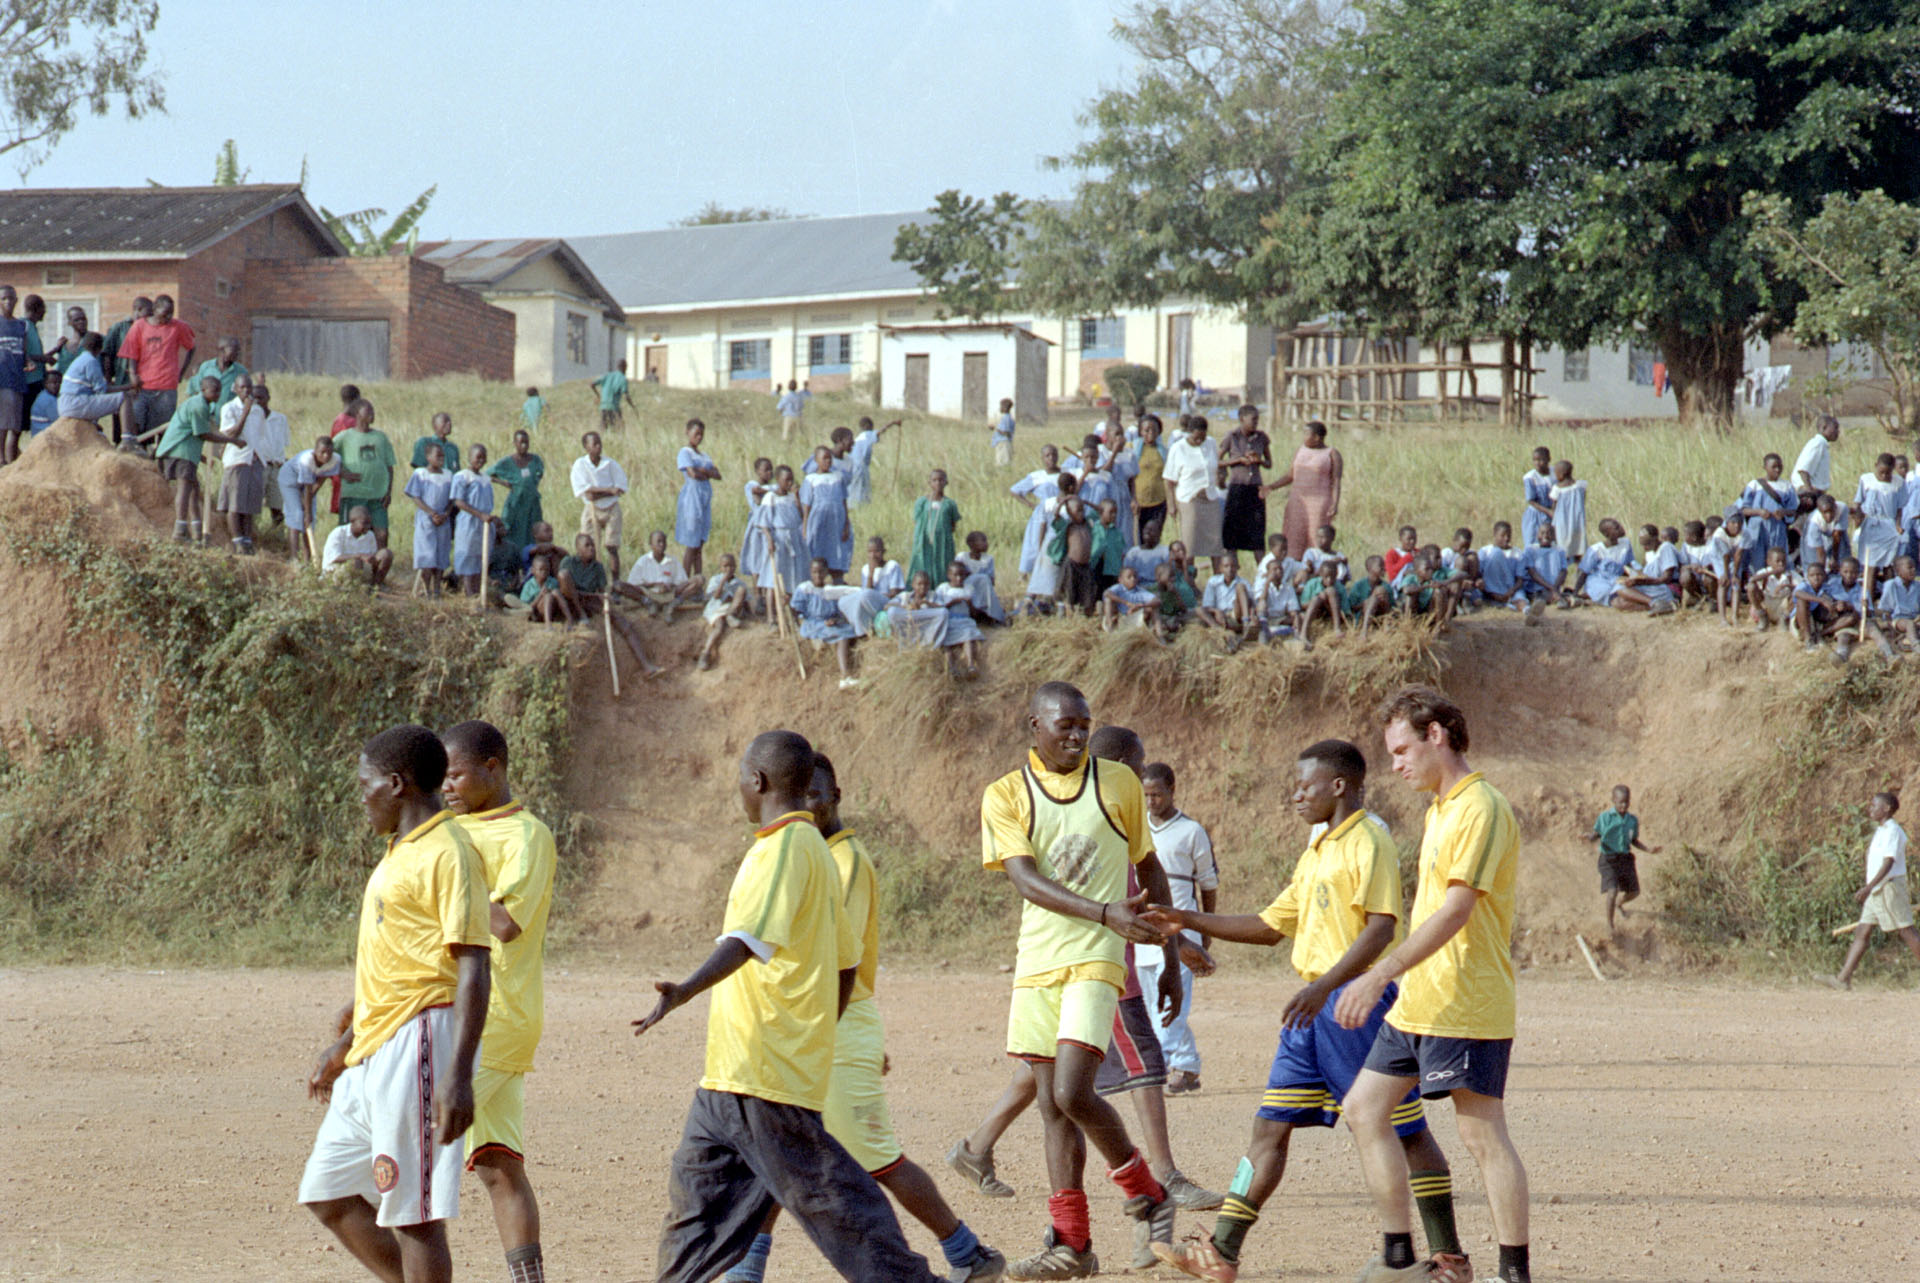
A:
(59, 58)
(714, 212)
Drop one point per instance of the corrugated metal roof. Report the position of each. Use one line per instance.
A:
(728, 262)
(479, 265)
(140, 220)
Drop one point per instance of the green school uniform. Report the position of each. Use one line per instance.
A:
(453, 461)
(613, 386)
(933, 527)
(210, 369)
(532, 410)
(587, 576)
(1109, 550)
(370, 454)
(191, 423)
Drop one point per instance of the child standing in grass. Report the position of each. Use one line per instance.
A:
(1617, 831)
(1569, 501)
(783, 556)
(1072, 550)
(1766, 504)
(443, 434)
(1731, 543)
(179, 456)
(1109, 547)
(1884, 901)
(472, 498)
(935, 518)
(533, 411)
(1537, 486)
(431, 489)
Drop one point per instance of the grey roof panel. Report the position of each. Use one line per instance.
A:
(142, 220)
(790, 258)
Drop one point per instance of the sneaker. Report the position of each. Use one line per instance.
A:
(1153, 1223)
(978, 1170)
(1180, 1081)
(988, 1267)
(1190, 1196)
(1378, 1271)
(1057, 1261)
(1451, 1267)
(1199, 1258)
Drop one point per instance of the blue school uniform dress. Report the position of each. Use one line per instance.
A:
(476, 491)
(1900, 600)
(1500, 572)
(1780, 502)
(780, 517)
(693, 511)
(1663, 564)
(1841, 595)
(1538, 489)
(958, 603)
(1878, 541)
(1041, 485)
(860, 468)
(297, 472)
(1145, 561)
(819, 615)
(869, 603)
(1129, 600)
(828, 530)
(432, 545)
(1124, 468)
(1095, 488)
(753, 544)
(1549, 564)
(1603, 567)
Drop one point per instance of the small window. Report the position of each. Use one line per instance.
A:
(222, 287)
(751, 323)
(57, 276)
(750, 359)
(1640, 362)
(1103, 337)
(830, 318)
(830, 353)
(900, 313)
(1573, 367)
(576, 338)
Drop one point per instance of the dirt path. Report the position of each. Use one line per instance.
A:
(154, 1129)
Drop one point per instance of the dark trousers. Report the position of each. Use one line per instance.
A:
(738, 1156)
(1081, 589)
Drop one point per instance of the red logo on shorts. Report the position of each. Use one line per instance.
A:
(386, 1174)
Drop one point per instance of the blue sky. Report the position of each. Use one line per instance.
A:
(575, 119)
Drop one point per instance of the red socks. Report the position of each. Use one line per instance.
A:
(1068, 1208)
(1137, 1180)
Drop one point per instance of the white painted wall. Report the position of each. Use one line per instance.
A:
(945, 350)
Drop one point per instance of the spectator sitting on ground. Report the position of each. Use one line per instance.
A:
(584, 582)
(659, 582)
(352, 550)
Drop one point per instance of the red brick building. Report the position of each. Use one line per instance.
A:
(254, 263)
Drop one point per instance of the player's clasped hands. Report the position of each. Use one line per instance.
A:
(1131, 919)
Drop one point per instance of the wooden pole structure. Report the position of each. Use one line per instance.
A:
(486, 546)
(606, 621)
(786, 610)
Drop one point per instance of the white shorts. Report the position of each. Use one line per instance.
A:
(377, 1138)
(1889, 907)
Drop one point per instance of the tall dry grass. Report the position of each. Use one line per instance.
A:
(1436, 477)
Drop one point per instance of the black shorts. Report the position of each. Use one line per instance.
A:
(1618, 872)
(1081, 588)
(1134, 1059)
(1442, 1065)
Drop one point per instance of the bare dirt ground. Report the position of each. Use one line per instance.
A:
(154, 1128)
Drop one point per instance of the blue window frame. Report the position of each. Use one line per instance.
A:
(1103, 337)
(750, 359)
(830, 353)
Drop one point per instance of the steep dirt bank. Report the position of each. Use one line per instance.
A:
(1680, 710)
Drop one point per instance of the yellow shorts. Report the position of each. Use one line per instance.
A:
(856, 1114)
(1077, 1011)
(499, 1113)
(602, 523)
(1889, 907)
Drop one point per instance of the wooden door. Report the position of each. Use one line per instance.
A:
(1179, 348)
(973, 386)
(656, 364)
(917, 381)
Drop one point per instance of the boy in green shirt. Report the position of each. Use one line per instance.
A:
(179, 455)
(583, 584)
(366, 450)
(612, 386)
(533, 410)
(442, 435)
(1618, 833)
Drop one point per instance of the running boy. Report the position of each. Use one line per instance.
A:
(1883, 900)
(518, 854)
(785, 966)
(1451, 1031)
(398, 1079)
(1342, 908)
(1618, 833)
(856, 1114)
(1066, 846)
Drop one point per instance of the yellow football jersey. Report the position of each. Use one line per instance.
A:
(1347, 873)
(518, 853)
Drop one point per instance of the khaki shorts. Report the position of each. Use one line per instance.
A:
(499, 1113)
(1890, 907)
(856, 1114)
(602, 523)
(1079, 1011)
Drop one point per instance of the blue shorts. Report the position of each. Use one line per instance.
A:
(1441, 1065)
(1315, 1066)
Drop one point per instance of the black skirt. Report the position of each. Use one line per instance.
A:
(1243, 524)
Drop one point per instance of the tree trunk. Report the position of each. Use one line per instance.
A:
(1706, 369)
(1508, 416)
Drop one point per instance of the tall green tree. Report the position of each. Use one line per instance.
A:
(966, 254)
(227, 170)
(1184, 164)
(59, 58)
(1857, 262)
(1582, 170)
(362, 234)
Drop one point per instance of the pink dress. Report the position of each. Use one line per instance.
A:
(1309, 497)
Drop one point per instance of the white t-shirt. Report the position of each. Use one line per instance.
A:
(275, 439)
(252, 434)
(1816, 460)
(1186, 853)
(1889, 842)
(607, 475)
(665, 573)
(1191, 470)
(343, 544)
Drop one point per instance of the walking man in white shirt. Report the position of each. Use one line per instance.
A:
(276, 438)
(243, 478)
(1813, 469)
(1884, 900)
(1186, 852)
(598, 482)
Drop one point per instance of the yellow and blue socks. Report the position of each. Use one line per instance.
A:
(1237, 1215)
(962, 1247)
(753, 1266)
(1433, 1195)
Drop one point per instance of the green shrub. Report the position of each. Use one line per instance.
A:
(1131, 385)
